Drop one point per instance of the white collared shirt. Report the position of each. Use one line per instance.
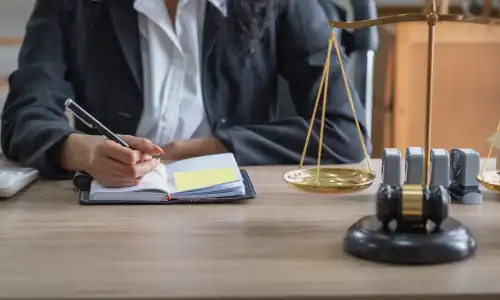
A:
(171, 57)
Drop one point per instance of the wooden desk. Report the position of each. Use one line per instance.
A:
(285, 243)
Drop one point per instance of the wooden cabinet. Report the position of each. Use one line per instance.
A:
(466, 105)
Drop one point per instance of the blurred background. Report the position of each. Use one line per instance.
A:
(467, 73)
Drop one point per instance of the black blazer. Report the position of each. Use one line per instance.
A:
(90, 51)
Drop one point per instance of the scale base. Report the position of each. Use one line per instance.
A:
(369, 240)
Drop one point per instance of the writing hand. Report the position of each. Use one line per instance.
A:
(109, 163)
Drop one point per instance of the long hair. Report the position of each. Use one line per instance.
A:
(247, 20)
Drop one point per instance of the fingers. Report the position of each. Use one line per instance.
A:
(142, 144)
(122, 154)
(145, 158)
(143, 150)
(112, 173)
(130, 171)
(117, 152)
(116, 166)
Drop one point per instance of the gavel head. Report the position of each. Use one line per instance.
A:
(412, 205)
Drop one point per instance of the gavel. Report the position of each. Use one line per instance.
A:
(412, 205)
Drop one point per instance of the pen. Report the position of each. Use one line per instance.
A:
(92, 122)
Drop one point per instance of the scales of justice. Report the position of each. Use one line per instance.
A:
(411, 224)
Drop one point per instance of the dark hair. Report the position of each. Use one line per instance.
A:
(247, 19)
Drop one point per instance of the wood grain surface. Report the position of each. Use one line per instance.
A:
(284, 244)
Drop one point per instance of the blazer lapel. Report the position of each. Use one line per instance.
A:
(212, 30)
(124, 18)
(214, 21)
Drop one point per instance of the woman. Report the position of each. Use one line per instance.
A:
(177, 78)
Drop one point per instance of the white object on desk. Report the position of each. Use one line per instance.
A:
(14, 179)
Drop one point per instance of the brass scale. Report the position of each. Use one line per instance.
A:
(346, 180)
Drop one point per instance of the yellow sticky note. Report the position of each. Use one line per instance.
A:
(185, 181)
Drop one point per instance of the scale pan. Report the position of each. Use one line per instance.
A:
(490, 180)
(331, 180)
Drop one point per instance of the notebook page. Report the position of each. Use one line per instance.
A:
(152, 181)
(201, 172)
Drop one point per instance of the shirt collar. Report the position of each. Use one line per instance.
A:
(221, 5)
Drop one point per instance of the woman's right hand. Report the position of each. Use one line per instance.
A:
(109, 163)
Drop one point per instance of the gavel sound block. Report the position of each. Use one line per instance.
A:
(411, 224)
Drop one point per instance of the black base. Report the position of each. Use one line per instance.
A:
(368, 239)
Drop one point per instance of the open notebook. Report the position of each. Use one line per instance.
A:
(211, 176)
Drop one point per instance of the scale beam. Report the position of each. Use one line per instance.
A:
(405, 18)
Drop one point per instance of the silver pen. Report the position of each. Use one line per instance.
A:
(92, 122)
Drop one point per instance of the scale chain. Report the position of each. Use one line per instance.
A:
(316, 104)
(323, 112)
(324, 86)
(348, 91)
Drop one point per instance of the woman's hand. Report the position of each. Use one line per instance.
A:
(109, 163)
